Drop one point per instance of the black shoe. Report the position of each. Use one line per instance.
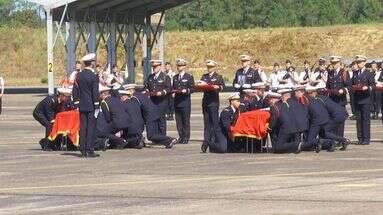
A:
(318, 147)
(122, 144)
(171, 144)
(331, 147)
(365, 143)
(345, 144)
(204, 147)
(141, 144)
(83, 154)
(92, 155)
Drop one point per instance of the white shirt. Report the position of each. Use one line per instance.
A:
(322, 81)
(273, 80)
(72, 76)
(290, 82)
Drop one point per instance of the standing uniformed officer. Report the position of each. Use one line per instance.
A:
(1, 93)
(210, 103)
(363, 85)
(158, 86)
(352, 72)
(86, 98)
(304, 76)
(245, 76)
(152, 119)
(45, 113)
(183, 87)
(338, 85)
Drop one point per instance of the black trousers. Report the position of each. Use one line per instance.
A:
(332, 131)
(312, 137)
(286, 143)
(352, 103)
(162, 109)
(378, 102)
(87, 131)
(153, 133)
(170, 109)
(1, 105)
(183, 122)
(44, 122)
(211, 123)
(363, 122)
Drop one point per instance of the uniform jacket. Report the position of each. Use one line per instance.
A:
(85, 90)
(187, 83)
(212, 98)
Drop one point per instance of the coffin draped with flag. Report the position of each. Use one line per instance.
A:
(66, 123)
(252, 124)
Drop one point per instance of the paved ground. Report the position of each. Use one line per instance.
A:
(181, 180)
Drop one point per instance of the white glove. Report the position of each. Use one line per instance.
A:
(246, 86)
(96, 112)
(237, 86)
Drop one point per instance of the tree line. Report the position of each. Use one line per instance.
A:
(233, 14)
(239, 14)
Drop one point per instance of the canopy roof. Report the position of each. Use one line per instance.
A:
(99, 9)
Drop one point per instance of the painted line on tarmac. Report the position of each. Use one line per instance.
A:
(211, 178)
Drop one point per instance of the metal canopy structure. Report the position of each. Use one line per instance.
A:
(113, 22)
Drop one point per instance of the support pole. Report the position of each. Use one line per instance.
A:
(112, 44)
(130, 52)
(50, 51)
(161, 43)
(70, 46)
(146, 49)
(92, 38)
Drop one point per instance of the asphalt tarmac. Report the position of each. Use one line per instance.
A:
(182, 180)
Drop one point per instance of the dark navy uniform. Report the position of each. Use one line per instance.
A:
(338, 116)
(182, 105)
(319, 117)
(159, 83)
(245, 77)
(210, 106)
(86, 98)
(255, 103)
(115, 113)
(46, 111)
(362, 102)
(283, 128)
(152, 120)
(337, 80)
(301, 117)
(227, 119)
(134, 130)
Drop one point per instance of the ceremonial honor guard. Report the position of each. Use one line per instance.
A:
(259, 76)
(363, 85)
(338, 85)
(183, 87)
(228, 118)
(132, 106)
(245, 76)
(287, 78)
(151, 118)
(299, 105)
(86, 98)
(158, 86)
(273, 78)
(115, 115)
(46, 110)
(210, 103)
(285, 128)
(170, 112)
